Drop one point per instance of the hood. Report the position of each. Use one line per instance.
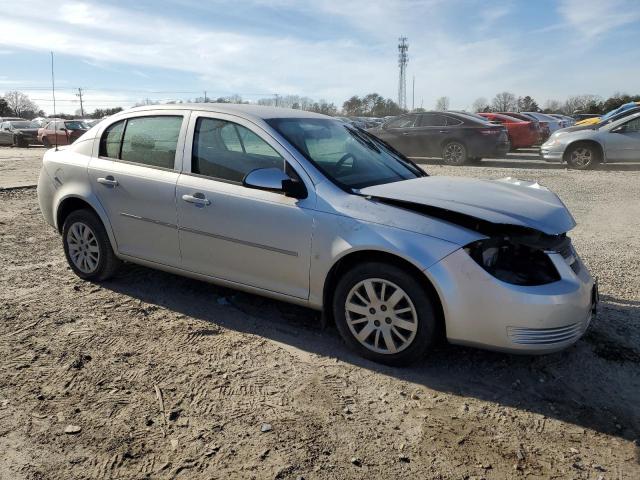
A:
(577, 128)
(506, 201)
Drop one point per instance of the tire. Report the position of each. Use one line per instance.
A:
(454, 153)
(415, 310)
(22, 143)
(100, 261)
(45, 142)
(582, 156)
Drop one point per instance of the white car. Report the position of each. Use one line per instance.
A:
(553, 122)
(307, 209)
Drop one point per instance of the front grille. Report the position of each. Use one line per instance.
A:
(544, 336)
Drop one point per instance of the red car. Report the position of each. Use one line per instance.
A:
(522, 133)
(61, 132)
(545, 132)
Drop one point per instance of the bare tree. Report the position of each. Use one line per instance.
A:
(20, 104)
(504, 102)
(582, 103)
(480, 105)
(552, 106)
(442, 104)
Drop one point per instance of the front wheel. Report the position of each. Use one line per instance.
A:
(454, 153)
(87, 246)
(583, 157)
(384, 314)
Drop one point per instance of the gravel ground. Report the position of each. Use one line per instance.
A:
(150, 375)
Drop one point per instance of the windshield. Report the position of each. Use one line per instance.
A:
(76, 125)
(21, 124)
(350, 157)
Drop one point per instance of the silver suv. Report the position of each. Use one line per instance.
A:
(307, 209)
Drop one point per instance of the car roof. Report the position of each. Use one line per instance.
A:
(260, 112)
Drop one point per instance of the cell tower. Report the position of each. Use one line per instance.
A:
(403, 58)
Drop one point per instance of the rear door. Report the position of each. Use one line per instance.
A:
(433, 131)
(135, 176)
(624, 145)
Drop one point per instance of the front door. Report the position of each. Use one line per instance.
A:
(401, 133)
(625, 144)
(251, 237)
(135, 178)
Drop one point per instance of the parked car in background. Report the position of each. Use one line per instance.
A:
(306, 209)
(6, 119)
(19, 133)
(522, 133)
(554, 123)
(601, 123)
(566, 121)
(584, 148)
(456, 137)
(543, 126)
(62, 132)
(584, 116)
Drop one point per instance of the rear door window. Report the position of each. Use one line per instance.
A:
(151, 141)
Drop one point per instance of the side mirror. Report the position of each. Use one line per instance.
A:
(274, 180)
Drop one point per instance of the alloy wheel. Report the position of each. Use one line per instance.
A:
(381, 316)
(453, 153)
(84, 250)
(581, 157)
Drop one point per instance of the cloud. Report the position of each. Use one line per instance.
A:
(592, 18)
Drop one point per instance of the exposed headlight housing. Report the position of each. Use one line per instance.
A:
(513, 263)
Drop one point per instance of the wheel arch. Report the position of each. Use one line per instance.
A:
(590, 142)
(353, 258)
(73, 202)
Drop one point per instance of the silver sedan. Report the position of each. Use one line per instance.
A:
(307, 209)
(583, 148)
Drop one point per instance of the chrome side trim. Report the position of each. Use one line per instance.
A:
(212, 235)
(241, 242)
(150, 220)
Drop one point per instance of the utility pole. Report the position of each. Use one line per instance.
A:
(413, 94)
(79, 95)
(205, 96)
(277, 97)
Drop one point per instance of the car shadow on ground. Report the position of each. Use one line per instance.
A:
(540, 384)
(515, 160)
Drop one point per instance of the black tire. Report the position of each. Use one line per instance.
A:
(45, 142)
(583, 156)
(107, 263)
(454, 153)
(425, 333)
(22, 142)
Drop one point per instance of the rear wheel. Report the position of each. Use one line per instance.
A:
(454, 153)
(383, 313)
(87, 246)
(583, 156)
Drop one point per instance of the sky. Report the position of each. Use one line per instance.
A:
(121, 52)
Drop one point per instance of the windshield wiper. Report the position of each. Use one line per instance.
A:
(357, 133)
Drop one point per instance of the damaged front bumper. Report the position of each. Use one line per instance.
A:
(482, 311)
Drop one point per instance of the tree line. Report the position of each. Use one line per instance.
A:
(592, 104)
(18, 104)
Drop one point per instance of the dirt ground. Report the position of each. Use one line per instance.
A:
(151, 375)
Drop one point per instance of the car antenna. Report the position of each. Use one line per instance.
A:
(53, 90)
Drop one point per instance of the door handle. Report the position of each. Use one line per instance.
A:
(444, 131)
(109, 180)
(405, 133)
(197, 198)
